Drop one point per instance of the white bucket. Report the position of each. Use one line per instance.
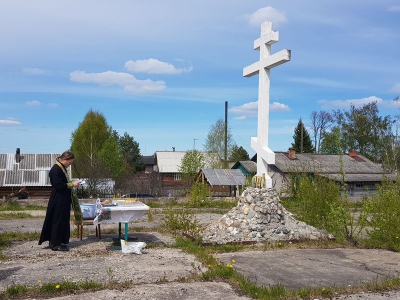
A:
(88, 210)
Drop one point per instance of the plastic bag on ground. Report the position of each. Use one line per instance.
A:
(132, 247)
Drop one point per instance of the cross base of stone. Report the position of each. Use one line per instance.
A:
(265, 156)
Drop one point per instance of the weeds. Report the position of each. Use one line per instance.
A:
(182, 221)
(16, 215)
(383, 217)
(15, 206)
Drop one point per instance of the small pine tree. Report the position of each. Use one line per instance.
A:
(302, 141)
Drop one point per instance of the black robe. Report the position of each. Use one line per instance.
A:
(56, 226)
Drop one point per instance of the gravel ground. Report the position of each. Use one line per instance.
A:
(156, 274)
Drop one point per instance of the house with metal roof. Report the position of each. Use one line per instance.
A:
(248, 168)
(167, 164)
(30, 171)
(148, 162)
(360, 174)
(222, 182)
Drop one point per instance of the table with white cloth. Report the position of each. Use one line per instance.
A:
(121, 213)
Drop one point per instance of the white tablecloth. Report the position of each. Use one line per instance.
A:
(122, 213)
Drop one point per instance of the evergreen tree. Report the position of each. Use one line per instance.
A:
(130, 152)
(238, 154)
(302, 141)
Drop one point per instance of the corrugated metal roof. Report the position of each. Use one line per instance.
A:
(147, 160)
(170, 161)
(250, 166)
(224, 176)
(31, 170)
(325, 164)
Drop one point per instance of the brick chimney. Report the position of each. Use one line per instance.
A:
(352, 153)
(292, 153)
(17, 155)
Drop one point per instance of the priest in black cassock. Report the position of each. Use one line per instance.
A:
(56, 226)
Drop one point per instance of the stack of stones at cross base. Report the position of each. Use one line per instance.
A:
(260, 217)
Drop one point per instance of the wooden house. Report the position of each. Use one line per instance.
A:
(167, 164)
(360, 174)
(248, 168)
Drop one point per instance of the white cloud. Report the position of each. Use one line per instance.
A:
(276, 106)
(128, 81)
(154, 66)
(251, 109)
(344, 104)
(33, 103)
(9, 122)
(34, 71)
(394, 8)
(395, 88)
(241, 118)
(267, 13)
(247, 109)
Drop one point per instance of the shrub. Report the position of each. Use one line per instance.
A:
(383, 216)
(318, 204)
(198, 194)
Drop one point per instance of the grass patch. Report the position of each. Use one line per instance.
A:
(59, 288)
(15, 206)
(16, 215)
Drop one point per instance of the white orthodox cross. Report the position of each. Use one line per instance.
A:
(262, 67)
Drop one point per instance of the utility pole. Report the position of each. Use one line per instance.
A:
(194, 144)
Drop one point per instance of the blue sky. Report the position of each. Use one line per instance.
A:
(162, 70)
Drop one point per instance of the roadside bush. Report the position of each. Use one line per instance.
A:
(317, 202)
(383, 216)
(198, 195)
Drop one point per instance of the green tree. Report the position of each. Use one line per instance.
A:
(191, 164)
(111, 156)
(238, 154)
(130, 152)
(302, 141)
(215, 143)
(331, 142)
(362, 129)
(96, 150)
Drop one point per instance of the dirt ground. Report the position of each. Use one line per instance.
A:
(158, 273)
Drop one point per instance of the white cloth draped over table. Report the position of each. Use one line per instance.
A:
(121, 213)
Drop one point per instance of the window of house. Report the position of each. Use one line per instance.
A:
(177, 176)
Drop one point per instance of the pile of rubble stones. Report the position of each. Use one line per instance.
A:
(260, 217)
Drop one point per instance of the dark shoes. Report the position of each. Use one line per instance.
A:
(60, 248)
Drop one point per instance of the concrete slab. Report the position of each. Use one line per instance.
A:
(316, 268)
